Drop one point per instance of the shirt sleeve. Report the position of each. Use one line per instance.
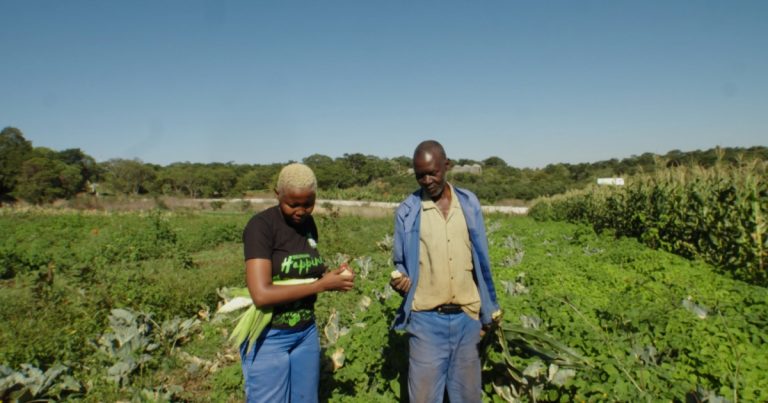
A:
(257, 239)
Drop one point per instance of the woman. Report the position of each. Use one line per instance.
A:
(281, 243)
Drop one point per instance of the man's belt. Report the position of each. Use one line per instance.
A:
(448, 309)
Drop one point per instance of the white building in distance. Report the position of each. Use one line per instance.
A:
(611, 181)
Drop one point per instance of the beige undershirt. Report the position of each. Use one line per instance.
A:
(445, 260)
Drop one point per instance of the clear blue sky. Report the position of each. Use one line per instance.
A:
(534, 82)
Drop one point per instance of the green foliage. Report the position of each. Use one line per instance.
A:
(43, 180)
(716, 214)
(351, 177)
(40, 175)
(217, 204)
(650, 325)
(198, 180)
(86, 165)
(255, 319)
(31, 383)
(14, 149)
(217, 233)
(127, 345)
(71, 269)
(363, 357)
(226, 383)
(627, 309)
(259, 178)
(128, 176)
(550, 363)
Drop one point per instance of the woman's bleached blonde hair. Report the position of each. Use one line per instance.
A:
(296, 177)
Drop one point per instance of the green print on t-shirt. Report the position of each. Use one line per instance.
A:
(299, 264)
(291, 318)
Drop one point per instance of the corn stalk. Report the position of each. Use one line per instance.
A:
(560, 362)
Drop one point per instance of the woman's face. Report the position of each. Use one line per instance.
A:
(296, 204)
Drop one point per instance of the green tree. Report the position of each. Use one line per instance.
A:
(360, 170)
(167, 181)
(85, 164)
(128, 176)
(14, 150)
(43, 178)
(494, 162)
(198, 181)
(353, 165)
(464, 161)
(403, 163)
(222, 179)
(183, 178)
(329, 173)
(258, 178)
(317, 160)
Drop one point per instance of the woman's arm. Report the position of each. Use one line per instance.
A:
(258, 277)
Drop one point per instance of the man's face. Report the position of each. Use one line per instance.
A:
(429, 168)
(296, 205)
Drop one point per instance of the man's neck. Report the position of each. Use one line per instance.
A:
(443, 201)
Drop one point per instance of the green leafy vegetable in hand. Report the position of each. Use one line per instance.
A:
(255, 319)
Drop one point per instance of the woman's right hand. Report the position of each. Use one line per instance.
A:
(341, 279)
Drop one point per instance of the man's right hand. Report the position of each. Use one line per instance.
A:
(400, 283)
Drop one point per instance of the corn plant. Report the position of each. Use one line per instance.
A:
(717, 214)
(550, 361)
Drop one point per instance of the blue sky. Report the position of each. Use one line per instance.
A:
(533, 82)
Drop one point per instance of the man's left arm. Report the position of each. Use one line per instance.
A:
(485, 266)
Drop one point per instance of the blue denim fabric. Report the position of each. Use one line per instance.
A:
(283, 366)
(443, 355)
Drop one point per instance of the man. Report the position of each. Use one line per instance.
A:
(440, 253)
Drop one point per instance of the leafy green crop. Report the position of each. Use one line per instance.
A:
(646, 325)
(629, 311)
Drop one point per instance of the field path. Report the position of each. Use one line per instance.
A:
(373, 204)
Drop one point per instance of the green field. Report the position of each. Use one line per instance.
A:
(121, 306)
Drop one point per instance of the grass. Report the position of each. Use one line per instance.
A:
(614, 301)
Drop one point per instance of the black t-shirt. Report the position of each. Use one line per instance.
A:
(293, 253)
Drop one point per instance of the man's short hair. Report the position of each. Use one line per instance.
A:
(429, 146)
(296, 176)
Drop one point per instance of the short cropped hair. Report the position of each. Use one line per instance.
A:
(296, 176)
(429, 146)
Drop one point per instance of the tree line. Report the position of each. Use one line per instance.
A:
(41, 175)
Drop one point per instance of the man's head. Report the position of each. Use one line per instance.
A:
(430, 166)
(296, 189)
